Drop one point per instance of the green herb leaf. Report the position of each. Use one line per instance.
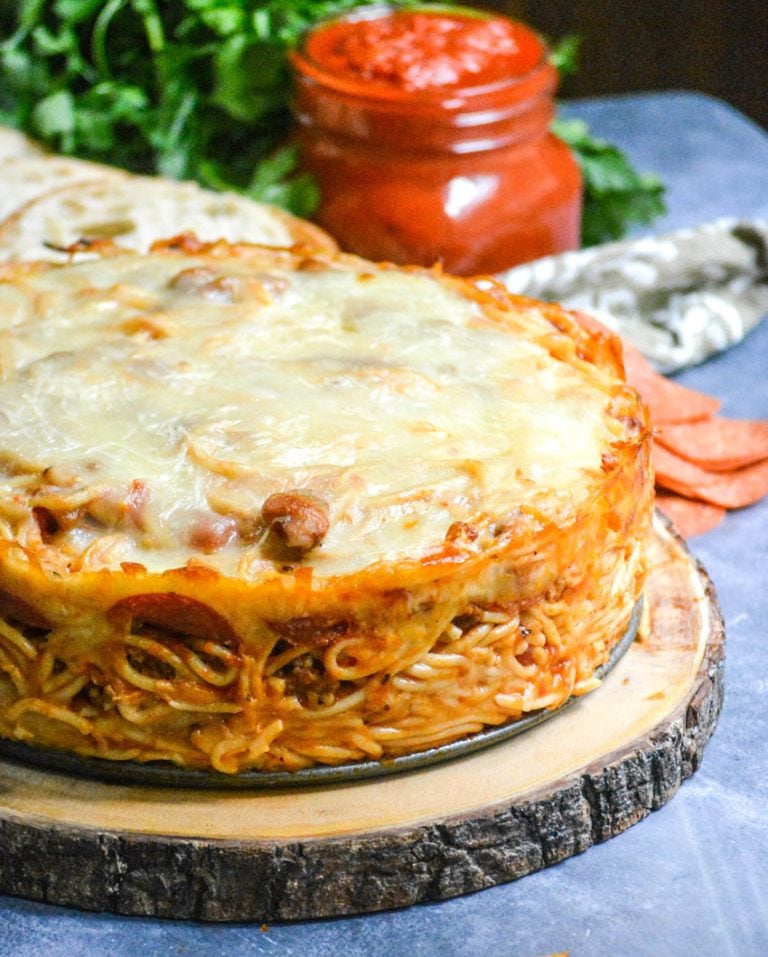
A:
(564, 55)
(616, 196)
(54, 116)
(277, 181)
(249, 78)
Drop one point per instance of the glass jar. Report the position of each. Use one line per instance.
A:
(464, 173)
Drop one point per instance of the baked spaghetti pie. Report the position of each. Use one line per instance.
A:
(261, 509)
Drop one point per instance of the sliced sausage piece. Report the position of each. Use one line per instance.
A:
(298, 518)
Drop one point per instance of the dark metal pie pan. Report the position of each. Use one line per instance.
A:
(163, 774)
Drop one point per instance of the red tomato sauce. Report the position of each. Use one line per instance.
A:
(426, 51)
(428, 134)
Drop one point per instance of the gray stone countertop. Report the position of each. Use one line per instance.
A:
(693, 877)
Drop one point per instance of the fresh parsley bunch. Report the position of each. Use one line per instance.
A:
(199, 89)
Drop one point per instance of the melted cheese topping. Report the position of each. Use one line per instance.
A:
(161, 399)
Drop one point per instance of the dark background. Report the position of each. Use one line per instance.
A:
(718, 47)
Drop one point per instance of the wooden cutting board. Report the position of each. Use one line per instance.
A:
(576, 780)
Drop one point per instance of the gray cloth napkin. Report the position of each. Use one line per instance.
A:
(679, 297)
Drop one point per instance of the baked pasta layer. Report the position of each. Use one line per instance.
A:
(265, 509)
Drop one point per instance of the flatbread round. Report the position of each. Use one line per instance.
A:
(25, 178)
(134, 211)
(13, 143)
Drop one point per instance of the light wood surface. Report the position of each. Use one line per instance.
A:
(575, 780)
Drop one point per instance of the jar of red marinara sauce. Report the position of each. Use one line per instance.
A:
(428, 132)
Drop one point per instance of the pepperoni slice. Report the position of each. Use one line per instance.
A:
(689, 517)
(727, 489)
(719, 445)
(177, 614)
(17, 611)
(301, 632)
